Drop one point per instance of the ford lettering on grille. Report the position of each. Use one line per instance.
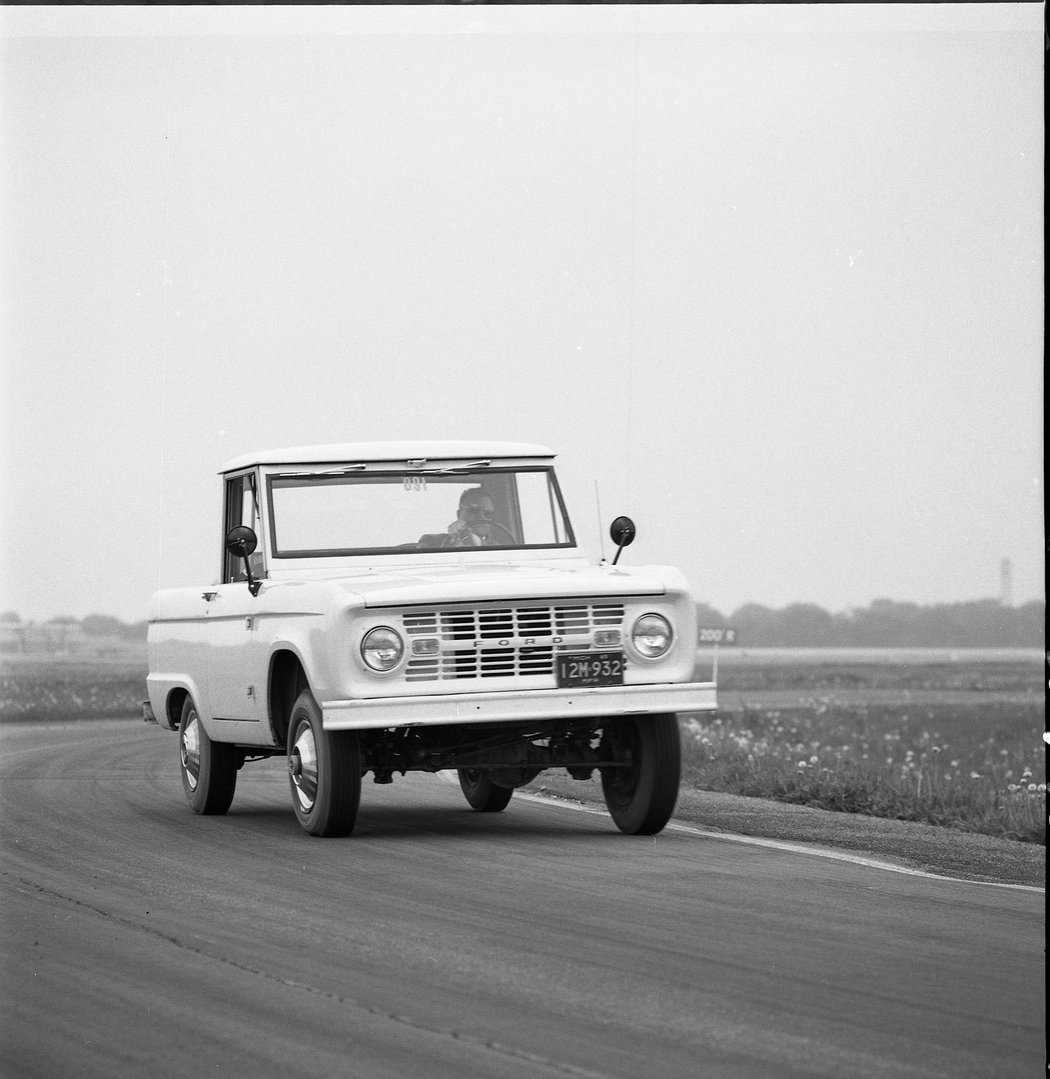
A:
(505, 641)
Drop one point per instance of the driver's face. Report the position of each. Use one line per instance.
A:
(477, 514)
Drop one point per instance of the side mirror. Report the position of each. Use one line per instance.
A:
(241, 541)
(622, 532)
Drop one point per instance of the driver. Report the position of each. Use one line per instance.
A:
(473, 524)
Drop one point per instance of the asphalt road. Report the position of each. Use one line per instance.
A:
(141, 940)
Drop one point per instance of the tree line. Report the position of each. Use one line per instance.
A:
(984, 623)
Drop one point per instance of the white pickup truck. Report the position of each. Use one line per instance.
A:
(396, 607)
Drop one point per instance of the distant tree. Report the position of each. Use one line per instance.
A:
(10, 616)
(805, 625)
(135, 632)
(709, 616)
(886, 624)
(1031, 623)
(757, 626)
(103, 625)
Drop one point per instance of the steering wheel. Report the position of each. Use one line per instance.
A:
(503, 528)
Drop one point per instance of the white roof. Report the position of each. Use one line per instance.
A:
(353, 452)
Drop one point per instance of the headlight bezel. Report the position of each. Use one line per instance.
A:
(661, 627)
(395, 645)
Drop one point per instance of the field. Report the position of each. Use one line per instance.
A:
(953, 739)
(60, 689)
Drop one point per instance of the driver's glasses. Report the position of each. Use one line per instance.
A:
(479, 511)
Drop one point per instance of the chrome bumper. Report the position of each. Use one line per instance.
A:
(538, 704)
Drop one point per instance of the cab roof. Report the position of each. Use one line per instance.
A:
(360, 452)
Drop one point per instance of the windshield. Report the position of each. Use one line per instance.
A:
(354, 512)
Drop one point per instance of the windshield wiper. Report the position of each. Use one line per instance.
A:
(342, 470)
(417, 466)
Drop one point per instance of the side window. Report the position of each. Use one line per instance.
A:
(242, 508)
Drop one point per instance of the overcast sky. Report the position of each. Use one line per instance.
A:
(771, 277)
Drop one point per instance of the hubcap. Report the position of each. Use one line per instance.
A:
(190, 752)
(302, 768)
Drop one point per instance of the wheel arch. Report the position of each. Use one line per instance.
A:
(167, 695)
(173, 706)
(287, 679)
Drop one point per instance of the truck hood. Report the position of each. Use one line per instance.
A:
(480, 583)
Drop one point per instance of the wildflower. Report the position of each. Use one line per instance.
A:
(801, 766)
(814, 759)
(955, 764)
(1027, 773)
(935, 749)
(1033, 787)
(975, 775)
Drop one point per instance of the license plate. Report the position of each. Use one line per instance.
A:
(590, 669)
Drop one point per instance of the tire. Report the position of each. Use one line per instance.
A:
(209, 769)
(482, 794)
(641, 797)
(324, 771)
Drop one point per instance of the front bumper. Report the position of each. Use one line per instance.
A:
(512, 706)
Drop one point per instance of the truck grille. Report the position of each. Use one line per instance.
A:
(504, 641)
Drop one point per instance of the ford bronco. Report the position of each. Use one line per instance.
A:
(397, 607)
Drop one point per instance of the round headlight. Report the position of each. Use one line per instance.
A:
(651, 635)
(382, 648)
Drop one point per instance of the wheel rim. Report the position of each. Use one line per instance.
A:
(190, 752)
(302, 767)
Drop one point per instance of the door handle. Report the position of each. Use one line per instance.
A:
(209, 596)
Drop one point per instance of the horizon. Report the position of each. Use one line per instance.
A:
(727, 613)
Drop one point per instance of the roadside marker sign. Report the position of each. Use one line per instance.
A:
(716, 635)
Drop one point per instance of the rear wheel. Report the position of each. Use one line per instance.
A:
(324, 771)
(642, 791)
(209, 769)
(482, 794)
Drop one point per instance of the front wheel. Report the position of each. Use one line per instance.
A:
(641, 792)
(482, 794)
(324, 771)
(209, 769)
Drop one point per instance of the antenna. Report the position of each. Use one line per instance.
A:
(601, 529)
